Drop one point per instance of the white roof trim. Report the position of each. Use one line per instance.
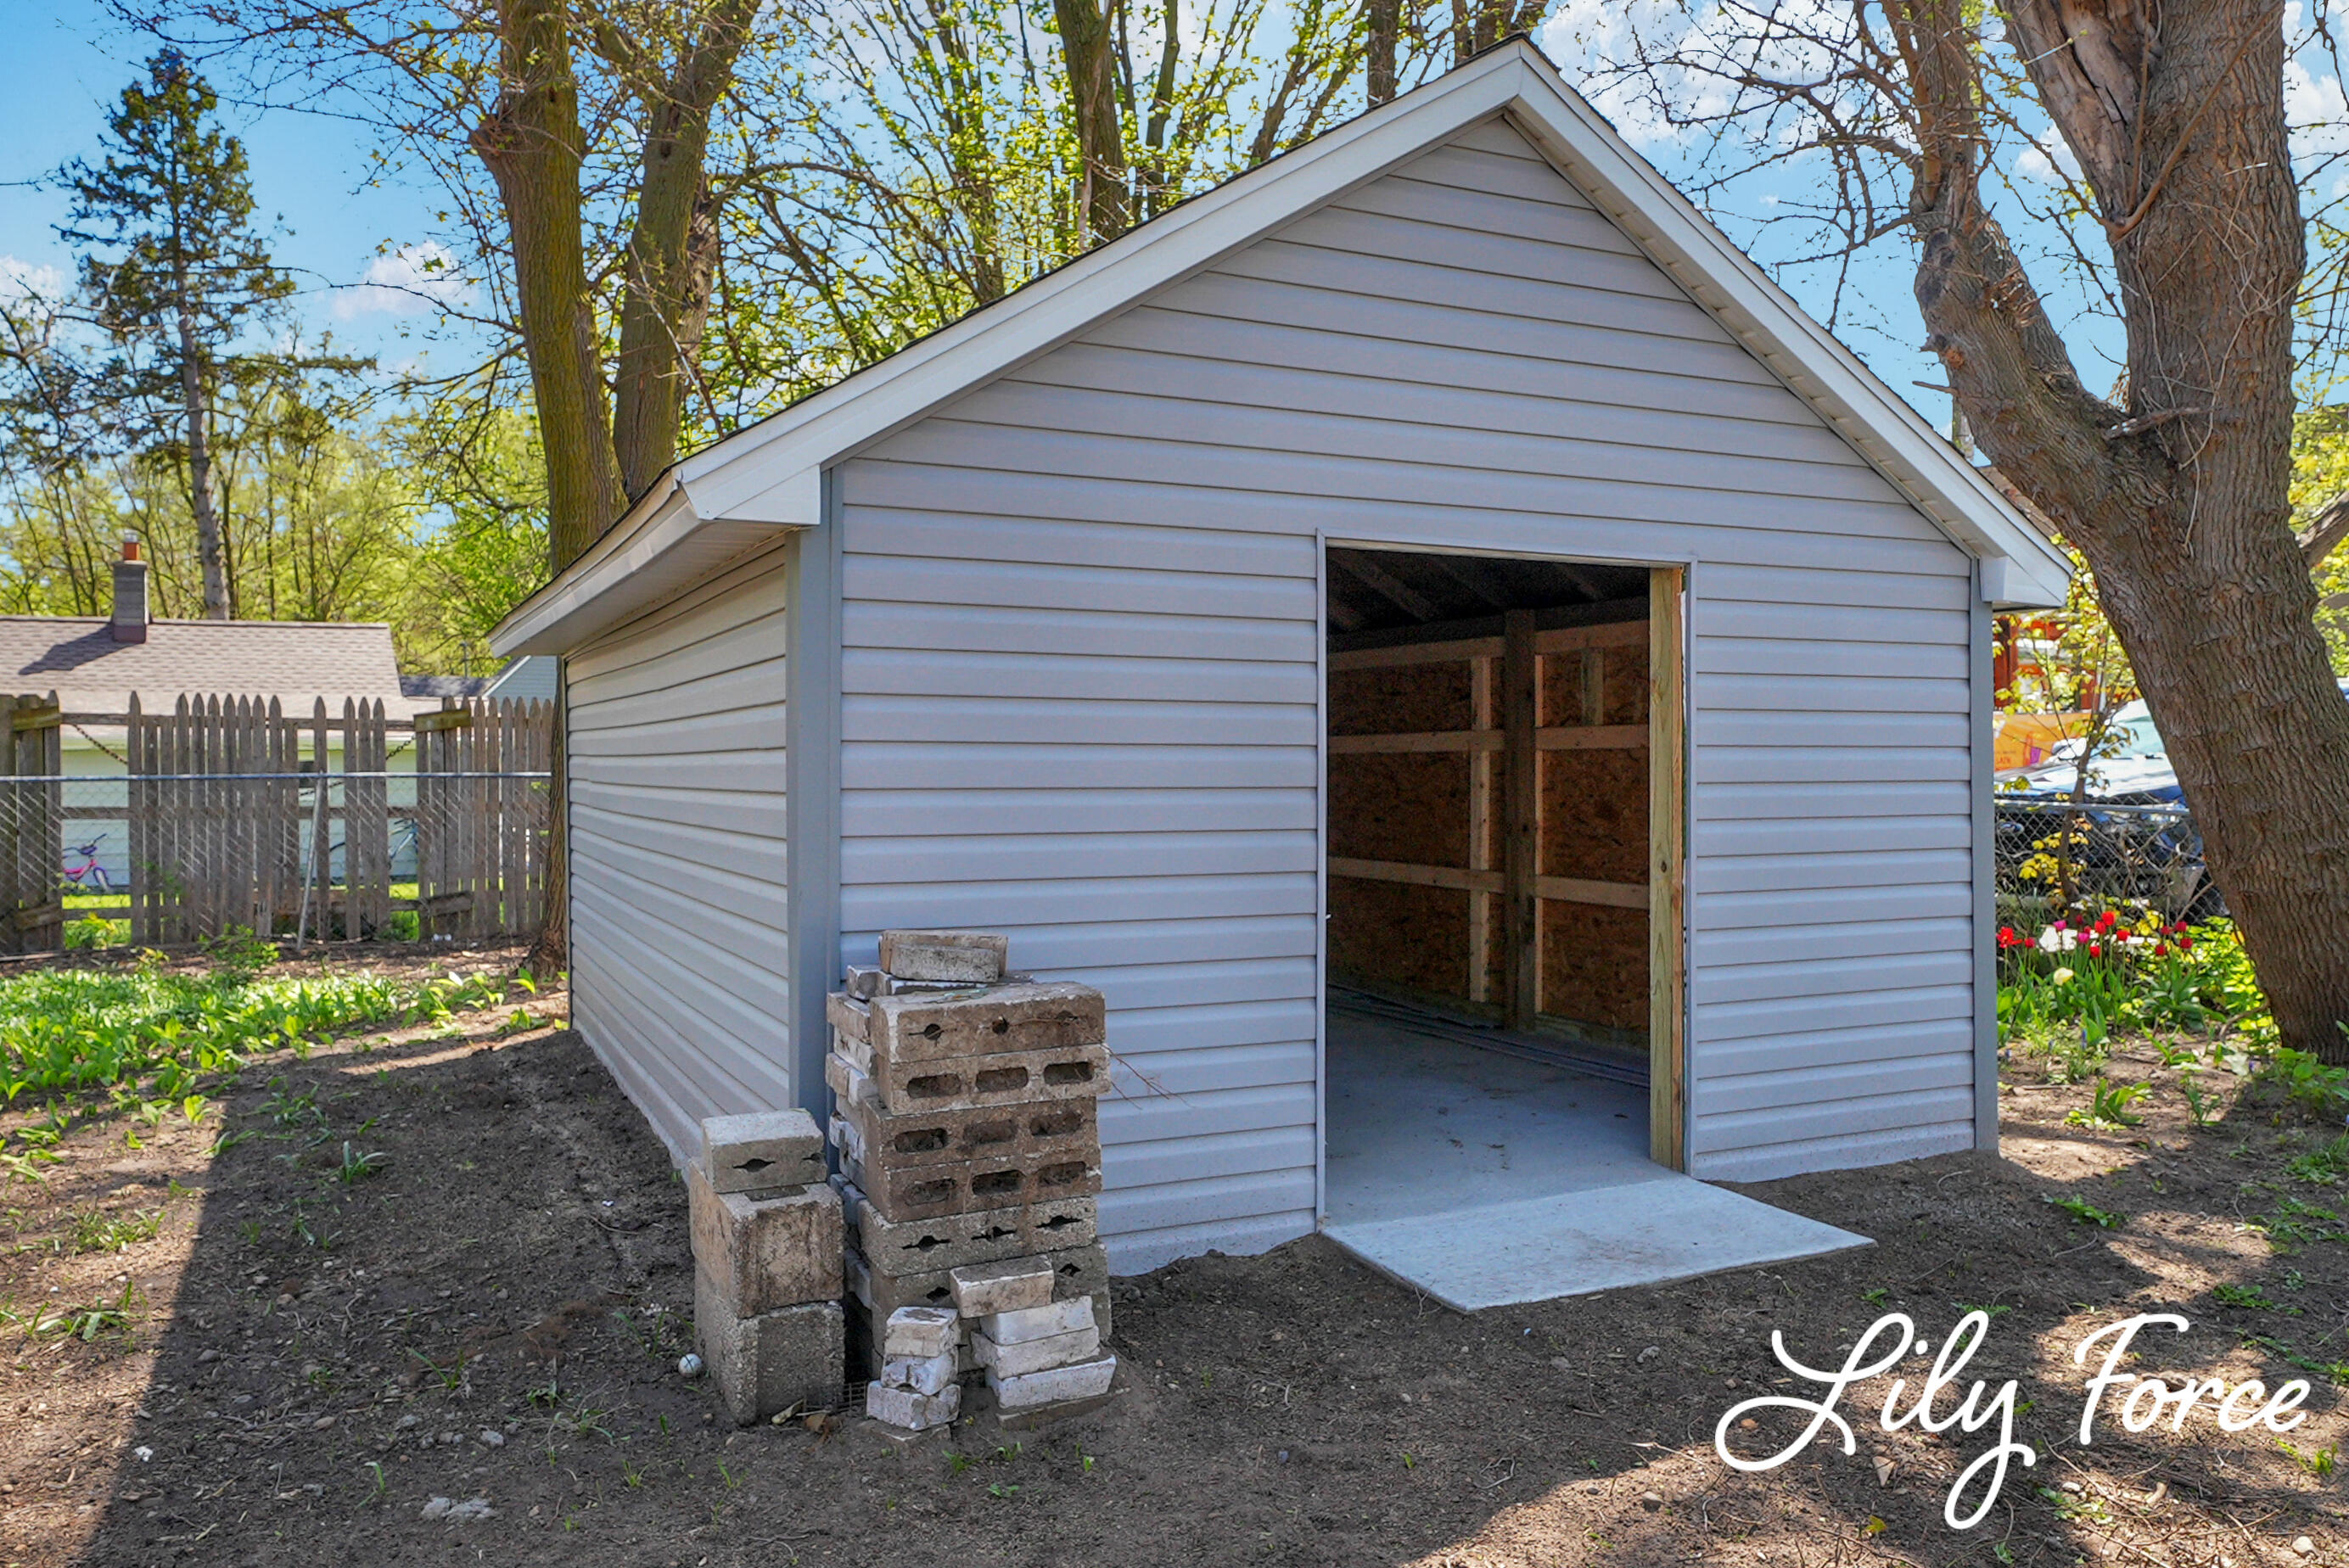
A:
(769, 476)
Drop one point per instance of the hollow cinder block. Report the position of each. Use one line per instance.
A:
(1035, 1015)
(765, 1150)
(923, 1246)
(765, 1364)
(764, 1252)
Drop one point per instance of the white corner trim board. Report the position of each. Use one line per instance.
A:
(733, 493)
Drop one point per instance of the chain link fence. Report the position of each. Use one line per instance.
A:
(2053, 855)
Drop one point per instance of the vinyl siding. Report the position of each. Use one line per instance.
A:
(1081, 690)
(678, 923)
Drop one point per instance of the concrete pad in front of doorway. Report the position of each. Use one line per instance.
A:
(1666, 1227)
(1485, 1180)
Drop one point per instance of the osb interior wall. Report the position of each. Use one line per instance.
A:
(1407, 807)
(1413, 808)
(1594, 826)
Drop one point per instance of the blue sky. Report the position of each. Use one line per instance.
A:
(68, 66)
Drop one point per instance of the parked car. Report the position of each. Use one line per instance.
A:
(2132, 835)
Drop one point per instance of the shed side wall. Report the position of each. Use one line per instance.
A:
(678, 876)
(1079, 624)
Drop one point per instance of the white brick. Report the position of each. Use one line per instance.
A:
(1023, 1357)
(922, 1373)
(1085, 1380)
(980, 1289)
(1039, 1322)
(914, 1331)
(914, 1411)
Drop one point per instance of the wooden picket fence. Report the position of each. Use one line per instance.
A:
(237, 816)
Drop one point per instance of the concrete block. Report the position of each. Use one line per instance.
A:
(974, 957)
(1005, 1286)
(1085, 1380)
(1038, 1322)
(1003, 1079)
(765, 1364)
(920, 1331)
(1023, 1357)
(989, 1235)
(850, 1018)
(914, 1411)
(851, 1084)
(766, 1252)
(904, 1137)
(1076, 1271)
(765, 1151)
(1052, 1016)
(934, 1191)
(922, 1374)
(863, 983)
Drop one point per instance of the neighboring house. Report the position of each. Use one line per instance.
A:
(95, 665)
(526, 679)
(431, 689)
(1071, 619)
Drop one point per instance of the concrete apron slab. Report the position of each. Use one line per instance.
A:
(1484, 1179)
(1572, 1244)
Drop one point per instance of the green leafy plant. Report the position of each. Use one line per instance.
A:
(2108, 1106)
(2305, 1083)
(2318, 1462)
(2084, 1213)
(2325, 1166)
(2203, 1108)
(358, 1167)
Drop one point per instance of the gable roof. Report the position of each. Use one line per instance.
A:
(738, 492)
(296, 662)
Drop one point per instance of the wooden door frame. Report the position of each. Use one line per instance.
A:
(1667, 867)
(1668, 752)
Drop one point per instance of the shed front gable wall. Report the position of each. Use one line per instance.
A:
(1081, 682)
(678, 871)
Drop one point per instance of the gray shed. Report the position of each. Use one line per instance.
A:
(1427, 628)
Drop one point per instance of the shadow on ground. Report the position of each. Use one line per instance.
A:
(492, 1310)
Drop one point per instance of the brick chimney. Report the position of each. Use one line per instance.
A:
(130, 617)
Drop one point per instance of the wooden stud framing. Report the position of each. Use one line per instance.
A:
(1667, 815)
(1521, 819)
(1480, 834)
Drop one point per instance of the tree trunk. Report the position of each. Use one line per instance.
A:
(1385, 21)
(196, 406)
(672, 249)
(2178, 497)
(1085, 48)
(532, 145)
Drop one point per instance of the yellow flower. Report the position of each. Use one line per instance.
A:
(2062, 976)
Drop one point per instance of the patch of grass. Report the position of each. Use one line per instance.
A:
(98, 1231)
(2336, 1372)
(2323, 1166)
(2249, 1297)
(2295, 1224)
(2084, 1213)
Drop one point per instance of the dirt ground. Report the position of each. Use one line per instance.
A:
(494, 1310)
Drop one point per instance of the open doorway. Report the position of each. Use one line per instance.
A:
(1504, 839)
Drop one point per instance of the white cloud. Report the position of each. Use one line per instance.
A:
(21, 278)
(2050, 159)
(413, 278)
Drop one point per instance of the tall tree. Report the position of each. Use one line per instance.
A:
(2185, 219)
(171, 201)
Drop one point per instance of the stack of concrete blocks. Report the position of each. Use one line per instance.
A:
(1037, 1351)
(920, 1385)
(969, 1131)
(767, 1264)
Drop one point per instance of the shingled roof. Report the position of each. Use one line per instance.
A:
(296, 662)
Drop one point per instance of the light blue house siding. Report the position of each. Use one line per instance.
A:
(1079, 618)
